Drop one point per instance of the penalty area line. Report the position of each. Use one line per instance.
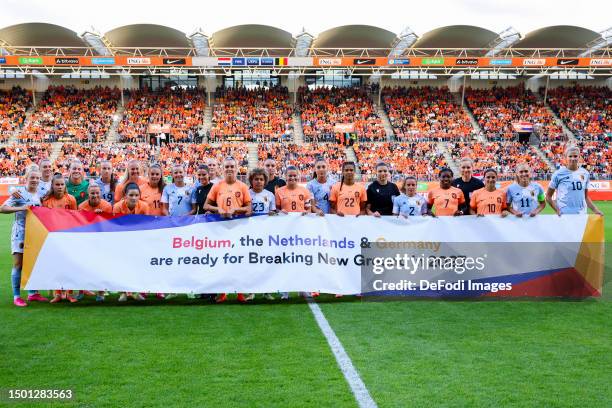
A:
(360, 392)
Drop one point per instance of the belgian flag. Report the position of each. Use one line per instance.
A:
(281, 61)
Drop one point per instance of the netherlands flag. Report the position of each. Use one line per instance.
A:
(224, 61)
(522, 127)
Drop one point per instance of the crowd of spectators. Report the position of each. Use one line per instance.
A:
(586, 110)
(332, 114)
(501, 156)
(261, 114)
(189, 155)
(426, 113)
(596, 157)
(420, 159)
(15, 158)
(303, 156)
(176, 115)
(13, 106)
(67, 113)
(496, 109)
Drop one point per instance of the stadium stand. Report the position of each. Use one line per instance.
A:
(192, 155)
(68, 113)
(252, 115)
(426, 113)
(496, 109)
(322, 109)
(303, 156)
(181, 111)
(586, 110)
(188, 154)
(501, 156)
(13, 106)
(420, 159)
(92, 154)
(596, 157)
(15, 158)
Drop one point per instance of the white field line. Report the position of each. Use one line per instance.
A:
(361, 393)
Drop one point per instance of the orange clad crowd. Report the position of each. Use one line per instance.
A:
(426, 113)
(586, 110)
(261, 114)
(193, 155)
(13, 106)
(501, 156)
(322, 109)
(596, 156)
(14, 159)
(68, 113)
(420, 159)
(303, 156)
(497, 108)
(182, 110)
(188, 155)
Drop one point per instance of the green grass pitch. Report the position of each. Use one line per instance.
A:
(185, 353)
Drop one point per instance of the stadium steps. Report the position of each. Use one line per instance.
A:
(252, 156)
(207, 118)
(442, 148)
(479, 134)
(56, 149)
(570, 135)
(349, 152)
(298, 131)
(15, 136)
(543, 156)
(384, 118)
(386, 122)
(112, 135)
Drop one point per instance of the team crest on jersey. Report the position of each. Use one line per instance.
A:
(533, 193)
(356, 194)
(301, 197)
(582, 177)
(454, 195)
(237, 194)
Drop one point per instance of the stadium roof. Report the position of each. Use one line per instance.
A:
(252, 36)
(41, 35)
(354, 37)
(147, 35)
(261, 36)
(561, 36)
(456, 36)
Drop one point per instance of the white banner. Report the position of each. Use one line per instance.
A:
(261, 254)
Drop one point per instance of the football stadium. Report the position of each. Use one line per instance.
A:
(347, 217)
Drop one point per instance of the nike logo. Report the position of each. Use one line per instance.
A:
(172, 61)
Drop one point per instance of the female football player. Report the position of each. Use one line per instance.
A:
(489, 200)
(28, 197)
(320, 187)
(262, 202)
(131, 204)
(571, 183)
(347, 197)
(409, 203)
(381, 193)
(525, 197)
(445, 199)
(229, 197)
(151, 191)
(57, 197)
